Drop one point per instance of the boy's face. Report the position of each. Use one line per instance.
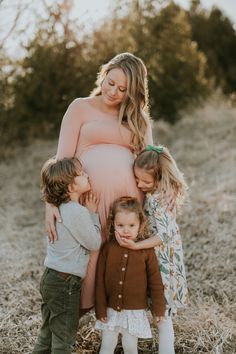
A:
(144, 180)
(81, 183)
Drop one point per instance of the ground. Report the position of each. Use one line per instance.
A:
(204, 145)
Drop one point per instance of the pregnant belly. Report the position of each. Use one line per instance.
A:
(108, 165)
(110, 170)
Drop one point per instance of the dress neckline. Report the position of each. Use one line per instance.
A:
(102, 112)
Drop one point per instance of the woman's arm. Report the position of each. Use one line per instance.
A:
(148, 135)
(68, 138)
(51, 215)
(70, 130)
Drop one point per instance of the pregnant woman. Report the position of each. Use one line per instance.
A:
(105, 131)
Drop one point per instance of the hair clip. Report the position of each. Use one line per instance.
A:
(158, 149)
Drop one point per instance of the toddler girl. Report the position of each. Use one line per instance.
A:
(158, 176)
(122, 279)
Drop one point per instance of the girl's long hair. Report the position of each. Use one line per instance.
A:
(129, 205)
(169, 180)
(134, 110)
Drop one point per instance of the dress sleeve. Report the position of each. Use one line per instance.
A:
(70, 130)
(159, 219)
(100, 291)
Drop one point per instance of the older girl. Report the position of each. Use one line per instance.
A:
(158, 176)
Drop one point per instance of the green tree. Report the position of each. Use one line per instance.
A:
(176, 66)
(216, 37)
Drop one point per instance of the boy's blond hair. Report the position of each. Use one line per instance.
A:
(56, 176)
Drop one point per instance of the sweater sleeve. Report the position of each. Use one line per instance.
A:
(155, 285)
(100, 290)
(70, 130)
(84, 227)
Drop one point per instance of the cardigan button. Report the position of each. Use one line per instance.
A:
(119, 296)
(123, 269)
(118, 307)
(125, 255)
(121, 282)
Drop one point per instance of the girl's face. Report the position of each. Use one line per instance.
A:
(127, 224)
(144, 180)
(114, 87)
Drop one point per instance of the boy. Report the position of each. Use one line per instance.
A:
(62, 184)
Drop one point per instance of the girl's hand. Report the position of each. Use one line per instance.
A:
(124, 242)
(159, 319)
(103, 319)
(91, 202)
(51, 214)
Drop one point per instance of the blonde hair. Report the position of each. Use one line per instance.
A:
(130, 205)
(56, 175)
(169, 180)
(134, 108)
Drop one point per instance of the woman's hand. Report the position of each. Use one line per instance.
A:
(51, 214)
(91, 202)
(124, 242)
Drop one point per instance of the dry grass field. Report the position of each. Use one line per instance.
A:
(204, 145)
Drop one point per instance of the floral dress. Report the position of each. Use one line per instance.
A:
(162, 223)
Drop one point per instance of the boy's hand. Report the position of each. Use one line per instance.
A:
(103, 319)
(91, 202)
(124, 242)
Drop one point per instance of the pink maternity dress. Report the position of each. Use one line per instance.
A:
(103, 149)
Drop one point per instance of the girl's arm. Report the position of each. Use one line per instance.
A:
(69, 134)
(153, 241)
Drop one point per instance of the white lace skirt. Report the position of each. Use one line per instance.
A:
(134, 321)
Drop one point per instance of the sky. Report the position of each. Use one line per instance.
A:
(88, 12)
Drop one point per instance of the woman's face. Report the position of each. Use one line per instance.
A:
(114, 87)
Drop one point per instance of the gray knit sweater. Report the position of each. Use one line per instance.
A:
(78, 233)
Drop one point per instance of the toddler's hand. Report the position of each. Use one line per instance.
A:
(124, 242)
(103, 319)
(159, 319)
(91, 202)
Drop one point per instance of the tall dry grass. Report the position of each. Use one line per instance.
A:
(204, 146)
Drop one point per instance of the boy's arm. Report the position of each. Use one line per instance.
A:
(84, 226)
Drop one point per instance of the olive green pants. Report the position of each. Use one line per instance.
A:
(60, 313)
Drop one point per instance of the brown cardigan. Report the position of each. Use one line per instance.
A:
(123, 278)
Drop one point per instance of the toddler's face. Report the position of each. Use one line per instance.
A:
(144, 180)
(127, 224)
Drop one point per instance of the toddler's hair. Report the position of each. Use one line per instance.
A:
(128, 205)
(56, 175)
(169, 180)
